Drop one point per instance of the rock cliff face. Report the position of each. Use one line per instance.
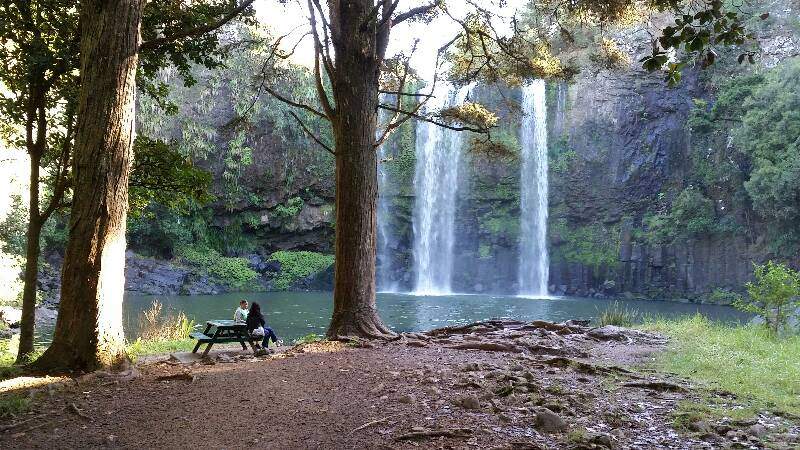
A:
(619, 149)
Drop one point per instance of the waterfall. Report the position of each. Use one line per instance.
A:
(561, 109)
(533, 261)
(385, 237)
(436, 183)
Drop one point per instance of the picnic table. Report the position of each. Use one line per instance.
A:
(224, 331)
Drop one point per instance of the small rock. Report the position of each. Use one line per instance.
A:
(407, 399)
(757, 430)
(433, 391)
(722, 429)
(700, 426)
(470, 367)
(549, 422)
(468, 402)
(607, 333)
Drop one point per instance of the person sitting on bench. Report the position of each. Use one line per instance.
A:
(257, 327)
(240, 315)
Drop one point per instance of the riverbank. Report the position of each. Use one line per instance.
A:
(492, 384)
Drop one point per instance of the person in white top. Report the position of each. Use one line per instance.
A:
(240, 315)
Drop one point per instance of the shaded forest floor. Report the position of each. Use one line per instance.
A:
(496, 384)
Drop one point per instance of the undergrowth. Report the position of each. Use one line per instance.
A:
(746, 360)
(233, 272)
(616, 314)
(161, 332)
(298, 265)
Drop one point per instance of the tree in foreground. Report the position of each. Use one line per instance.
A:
(41, 54)
(774, 295)
(88, 333)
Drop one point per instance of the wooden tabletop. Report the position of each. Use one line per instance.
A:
(226, 324)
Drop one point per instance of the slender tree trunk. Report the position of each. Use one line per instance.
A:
(31, 264)
(355, 87)
(88, 333)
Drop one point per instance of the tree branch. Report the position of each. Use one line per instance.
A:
(330, 111)
(406, 94)
(413, 12)
(311, 135)
(294, 103)
(429, 120)
(158, 42)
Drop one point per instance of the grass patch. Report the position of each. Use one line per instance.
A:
(748, 361)
(161, 332)
(13, 405)
(688, 413)
(308, 339)
(616, 314)
(142, 347)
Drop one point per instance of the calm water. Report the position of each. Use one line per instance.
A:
(295, 314)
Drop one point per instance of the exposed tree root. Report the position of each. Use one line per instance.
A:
(363, 323)
(77, 411)
(487, 346)
(373, 422)
(418, 435)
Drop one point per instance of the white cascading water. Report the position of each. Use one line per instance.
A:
(533, 260)
(385, 237)
(436, 184)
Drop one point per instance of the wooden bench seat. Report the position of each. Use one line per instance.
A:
(204, 338)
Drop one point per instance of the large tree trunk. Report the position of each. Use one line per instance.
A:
(31, 264)
(355, 87)
(88, 333)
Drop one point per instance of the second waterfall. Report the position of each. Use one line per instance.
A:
(533, 259)
(436, 184)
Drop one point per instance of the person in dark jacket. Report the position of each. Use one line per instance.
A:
(257, 327)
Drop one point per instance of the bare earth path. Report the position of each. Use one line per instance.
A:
(491, 385)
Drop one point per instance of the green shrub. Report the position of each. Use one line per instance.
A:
(235, 272)
(723, 297)
(232, 271)
(775, 294)
(484, 251)
(298, 265)
(292, 208)
(595, 245)
(693, 212)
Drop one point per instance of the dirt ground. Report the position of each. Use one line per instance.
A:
(490, 385)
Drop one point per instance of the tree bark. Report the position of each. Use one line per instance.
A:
(355, 90)
(28, 320)
(88, 333)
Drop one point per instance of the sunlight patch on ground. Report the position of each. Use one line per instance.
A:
(321, 347)
(18, 383)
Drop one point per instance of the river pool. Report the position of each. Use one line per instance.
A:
(296, 314)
